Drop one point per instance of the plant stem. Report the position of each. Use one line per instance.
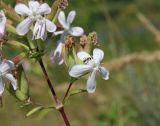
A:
(58, 102)
(66, 94)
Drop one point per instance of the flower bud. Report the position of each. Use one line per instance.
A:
(18, 58)
(62, 4)
(83, 41)
(69, 42)
(93, 38)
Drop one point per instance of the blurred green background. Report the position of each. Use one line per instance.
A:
(131, 97)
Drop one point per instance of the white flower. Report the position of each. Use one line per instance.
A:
(2, 23)
(91, 65)
(66, 24)
(41, 27)
(56, 56)
(5, 67)
(33, 13)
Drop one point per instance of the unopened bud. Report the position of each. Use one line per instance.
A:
(18, 58)
(83, 41)
(69, 42)
(93, 38)
(62, 4)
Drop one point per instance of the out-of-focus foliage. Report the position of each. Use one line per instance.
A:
(132, 95)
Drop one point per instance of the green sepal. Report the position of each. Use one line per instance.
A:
(69, 57)
(22, 93)
(32, 43)
(17, 45)
(11, 29)
(23, 82)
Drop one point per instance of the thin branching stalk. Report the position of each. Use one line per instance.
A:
(60, 107)
(67, 92)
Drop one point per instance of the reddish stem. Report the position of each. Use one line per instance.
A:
(67, 92)
(58, 102)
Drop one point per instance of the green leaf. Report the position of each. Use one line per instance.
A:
(78, 91)
(34, 110)
(43, 110)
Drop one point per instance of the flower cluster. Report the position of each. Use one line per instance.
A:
(37, 22)
(56, 55)
(30, 29)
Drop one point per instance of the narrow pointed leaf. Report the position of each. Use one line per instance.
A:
(34, 110)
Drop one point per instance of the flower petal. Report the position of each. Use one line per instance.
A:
(58, 33)
(44, 9)
(91, 82)
(12, 80)
(56, 55)
(51, 27)
(83, 55)
(104, 72)
(2, 23)
(79, 70)
(98, 54)
(36, 30)
(71, 17)
(24, 26)
(6, 66)
(22, 9)
(34, 5)
(62, 20)
(76, 31)
(39, 31)
(1, 86)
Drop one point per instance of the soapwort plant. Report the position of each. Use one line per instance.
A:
(24, 28)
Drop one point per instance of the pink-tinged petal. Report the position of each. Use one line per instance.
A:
(83, 55)
(22, 9)
(71, 17)
(104, 73)
(34, 5)
(79, 70)
(62, 20)
(24, 26)
(44, 9)
(6, 66)
(98, 55)
(2, 23)
(56, 55)
(51, 27)
(76, 31)
(91, 82)
(12, 80)
(1, 86)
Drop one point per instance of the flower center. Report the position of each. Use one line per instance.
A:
(90, 61)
